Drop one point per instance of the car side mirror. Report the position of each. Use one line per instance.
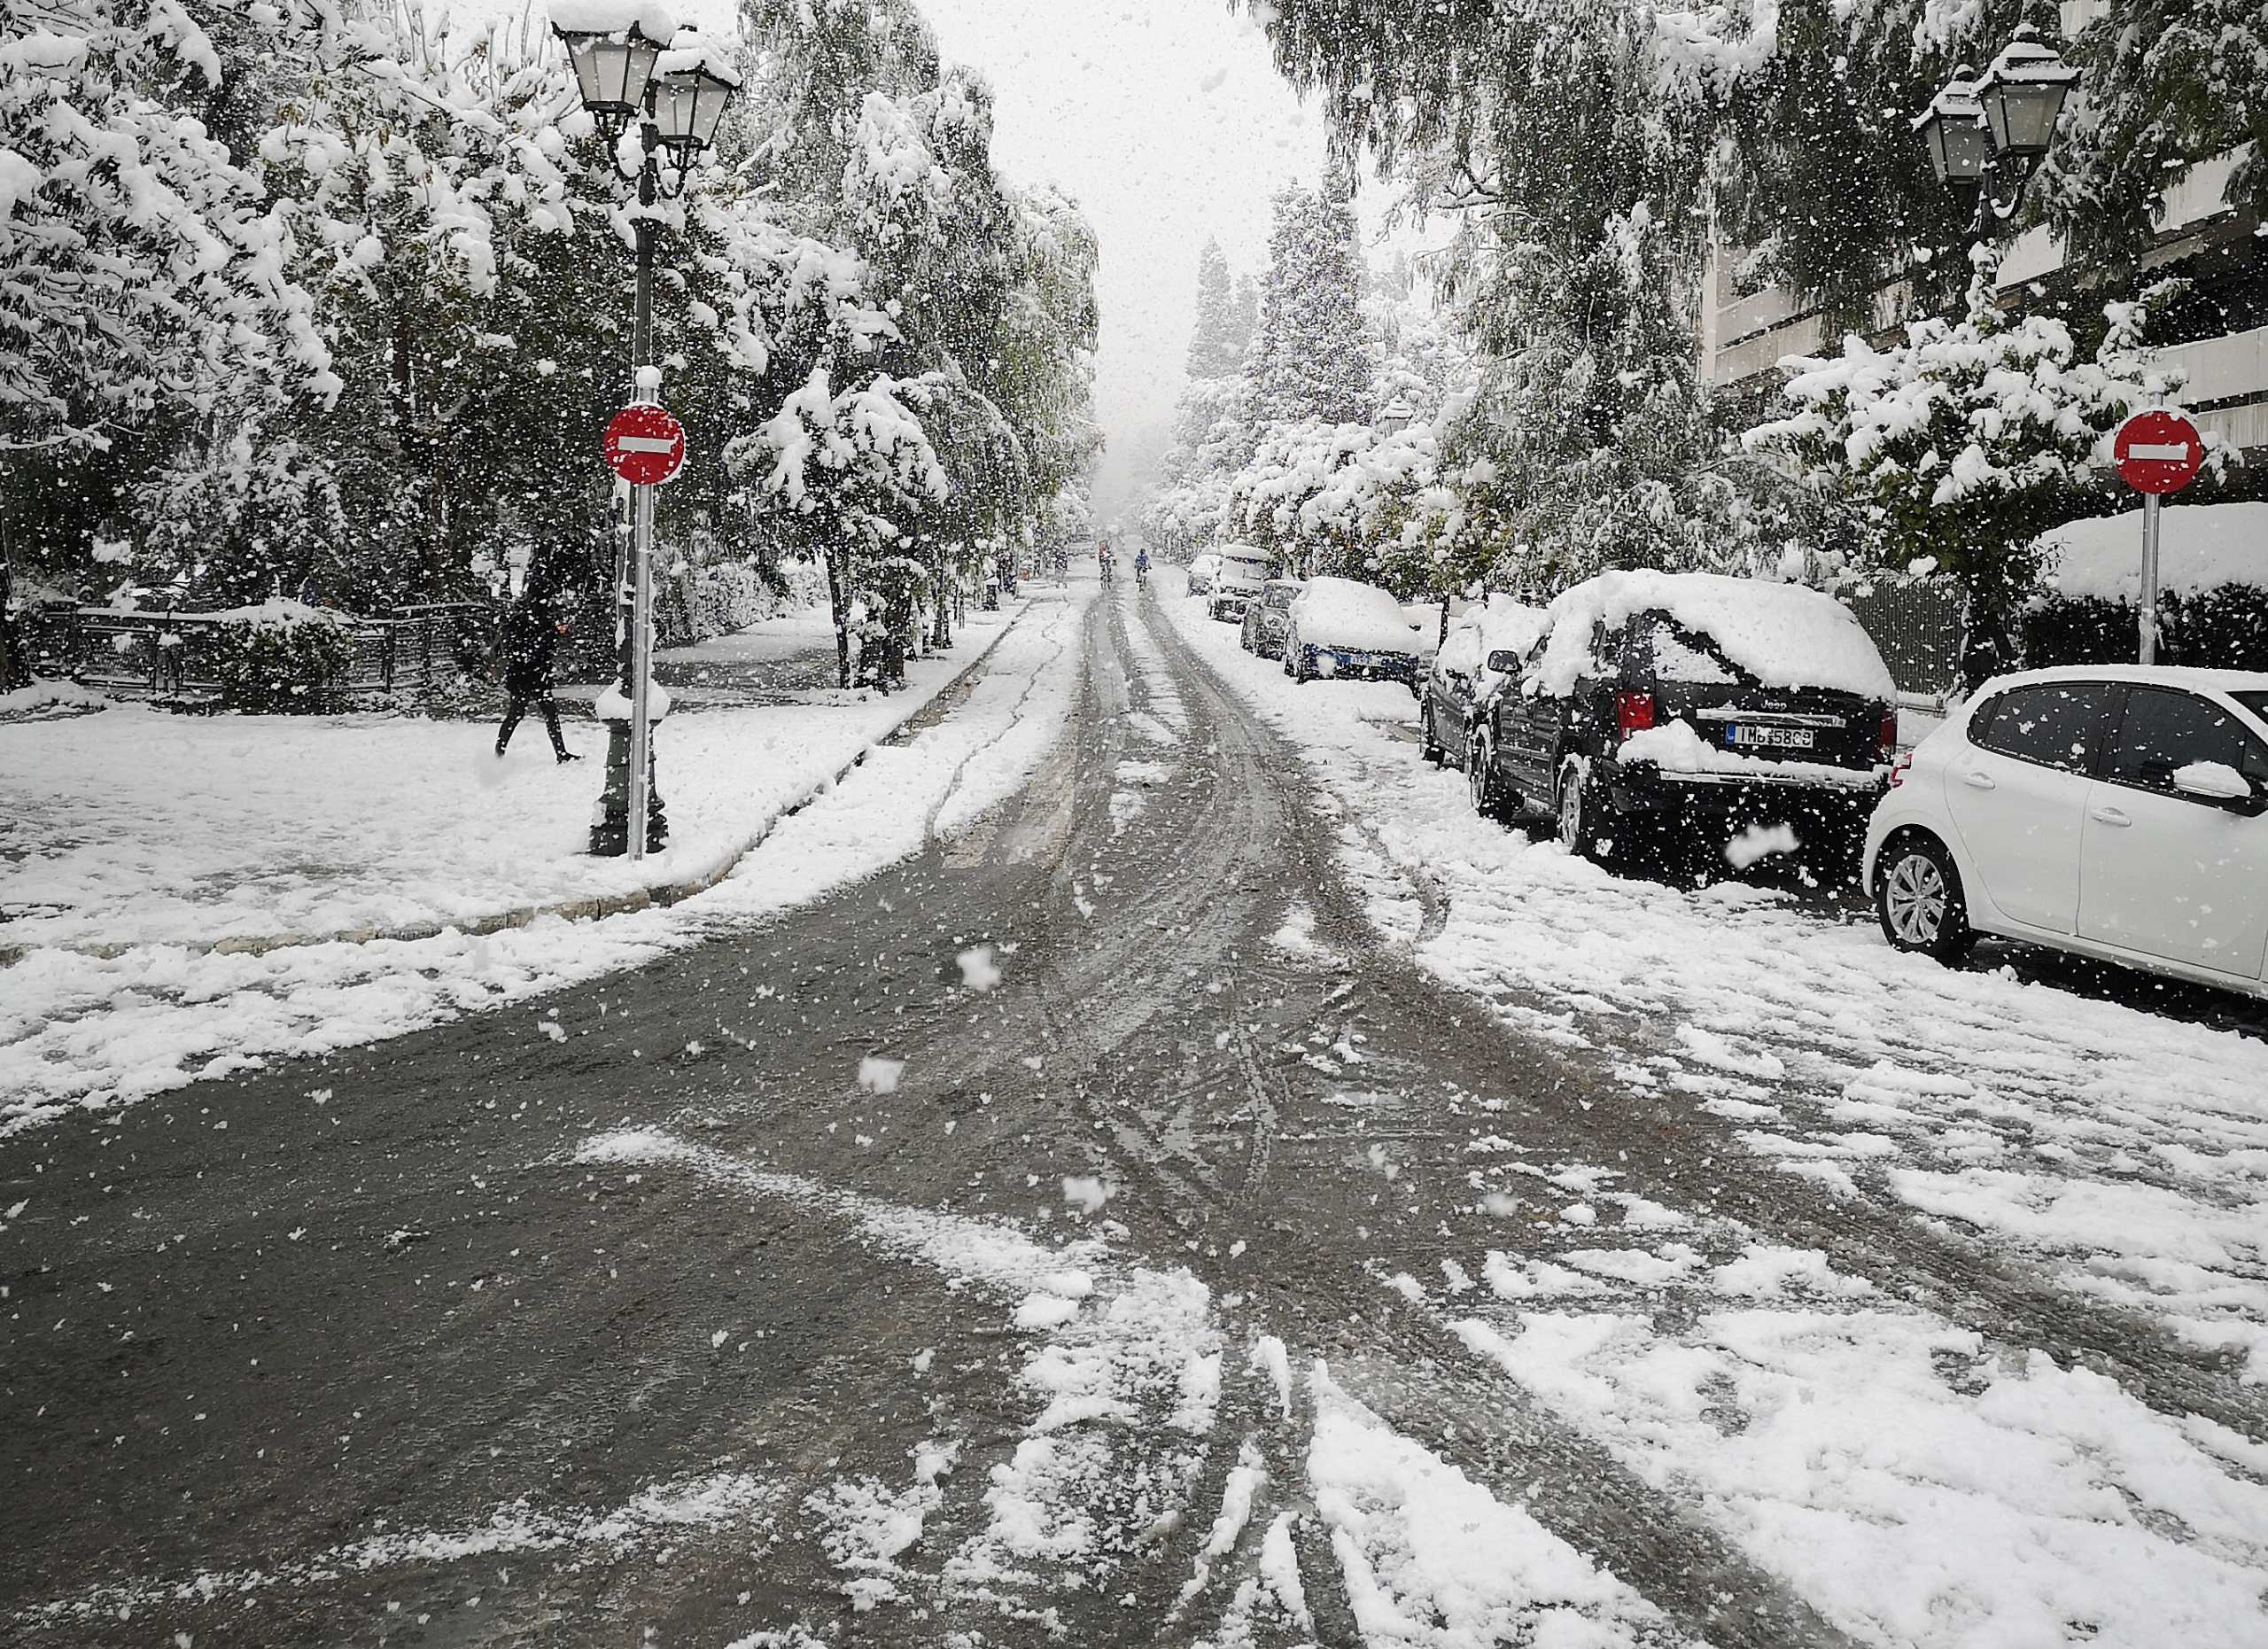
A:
(2222, 785)
(1504, 661)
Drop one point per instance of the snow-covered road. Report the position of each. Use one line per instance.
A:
(1200, 1188)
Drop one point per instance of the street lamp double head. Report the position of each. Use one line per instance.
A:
(1989, 133)
(628, 69)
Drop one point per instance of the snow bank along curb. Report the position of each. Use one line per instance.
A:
(588, 909)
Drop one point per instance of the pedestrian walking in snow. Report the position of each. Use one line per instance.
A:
(533, 632)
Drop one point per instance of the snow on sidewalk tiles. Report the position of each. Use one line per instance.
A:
(653, 1520)
(82, 1032)
(1126, 1378)
(1973, 1097)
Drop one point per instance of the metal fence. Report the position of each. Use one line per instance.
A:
(174, 655)
(1917, 626)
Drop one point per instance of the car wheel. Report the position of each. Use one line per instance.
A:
(1429, 743)
(1586, 824)
(1918, 899)
(1480, 780)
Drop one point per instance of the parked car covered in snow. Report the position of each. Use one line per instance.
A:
(1664, 710)
(1460, 679)
(1239, 576)
(1267, 619)
(2119, 812)
(1344, 627)
(1201, 569)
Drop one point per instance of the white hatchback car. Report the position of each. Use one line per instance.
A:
(2115, 811)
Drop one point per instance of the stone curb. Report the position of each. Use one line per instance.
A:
(590, 909)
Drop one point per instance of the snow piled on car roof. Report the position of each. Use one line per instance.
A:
(1783, 635)
(1344, 612)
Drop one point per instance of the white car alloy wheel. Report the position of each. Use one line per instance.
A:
(1914, 897)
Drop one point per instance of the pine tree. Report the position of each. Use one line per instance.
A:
(1308, 360)
(1216, 346)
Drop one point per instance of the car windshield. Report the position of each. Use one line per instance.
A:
(2257, 703)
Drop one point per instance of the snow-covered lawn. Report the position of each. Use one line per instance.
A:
(77, 1029)
(2127, 1149)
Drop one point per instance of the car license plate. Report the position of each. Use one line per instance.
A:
(1753, 737)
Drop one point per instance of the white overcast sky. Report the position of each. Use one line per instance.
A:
(1167, 121)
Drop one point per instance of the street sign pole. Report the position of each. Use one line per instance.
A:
(641, 667)
(2149, 638)
(2157, 452)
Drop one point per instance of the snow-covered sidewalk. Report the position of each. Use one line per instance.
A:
(86, 1029)
(139, 827)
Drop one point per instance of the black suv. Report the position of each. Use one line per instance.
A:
(1648, 737)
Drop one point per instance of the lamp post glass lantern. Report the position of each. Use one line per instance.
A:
(626, 69)
(1960, 144)
(2023, 94)
(1989, 133)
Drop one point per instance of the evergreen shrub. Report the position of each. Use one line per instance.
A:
(283, 659)
(2225, 627)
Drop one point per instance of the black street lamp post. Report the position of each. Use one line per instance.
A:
(625, 71)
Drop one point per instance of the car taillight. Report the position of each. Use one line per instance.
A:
(1888, 737)
(1897, 769)
(1634, 713)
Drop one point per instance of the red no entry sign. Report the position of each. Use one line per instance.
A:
(644, 444)
(2157, 452)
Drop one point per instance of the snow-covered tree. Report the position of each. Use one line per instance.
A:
(1309, 361)
(1216, 342)
(851, 471)
(1968, 438)
(142, 268)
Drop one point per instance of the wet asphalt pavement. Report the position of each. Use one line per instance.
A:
(253, 1323)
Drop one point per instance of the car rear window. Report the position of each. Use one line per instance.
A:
(2257, 703)
(1682, 656)
(2057, 724)
(1281, 597)
(2164, 729)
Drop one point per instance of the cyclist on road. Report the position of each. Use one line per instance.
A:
(1142, 564)
(1102, 558)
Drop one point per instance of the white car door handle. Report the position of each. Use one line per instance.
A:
(1980, 781)
(2109, 816)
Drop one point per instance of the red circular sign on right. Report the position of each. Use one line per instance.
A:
(643, 444)
(2157, 452)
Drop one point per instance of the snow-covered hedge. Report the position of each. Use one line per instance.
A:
(280, 657)
(2213, 576)
(2223, 627)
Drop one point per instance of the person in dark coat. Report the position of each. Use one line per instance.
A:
(533, 632)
